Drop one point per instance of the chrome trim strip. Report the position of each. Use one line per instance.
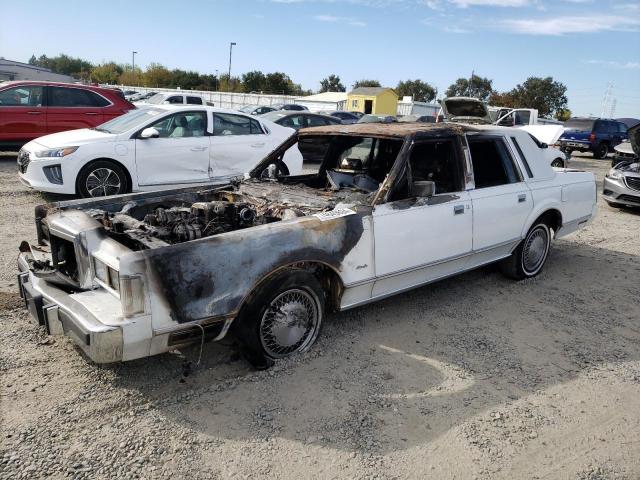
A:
(437, 262)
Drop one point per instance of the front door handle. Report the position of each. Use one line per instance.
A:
(522, 197)
(90, 113)
(458, 209)
(257, 145)
(34, 113)
(198, 149)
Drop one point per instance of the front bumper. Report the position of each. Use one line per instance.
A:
(575, 145)
(617, 192)
(62, 314)
(31, 172)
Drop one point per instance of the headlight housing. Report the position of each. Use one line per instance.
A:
(615, 174)
(107, 275)
(55, 152)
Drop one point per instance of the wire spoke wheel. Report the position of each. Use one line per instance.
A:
(535, 250)
(290, 323)
(102, 182)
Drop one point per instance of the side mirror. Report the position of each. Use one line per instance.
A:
(149, 133)
(423, 188)
(544, 145)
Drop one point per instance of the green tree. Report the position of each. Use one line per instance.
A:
(157, 75)
(419, 90)
(225, 86)
(543, 94)
(186, 80)
(106, 73)
(366, 83)
(477, 87)
(33, 60)
(254, 81)
(332, 84)
(127, 77)
(563, 114)
(278, 82)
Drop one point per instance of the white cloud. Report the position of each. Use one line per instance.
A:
(334, 19)
(572, 24)
(622, 65)
(490, 3)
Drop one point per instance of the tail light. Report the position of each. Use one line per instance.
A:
(592, 137)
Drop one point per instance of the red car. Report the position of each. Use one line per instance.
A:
(30, 110)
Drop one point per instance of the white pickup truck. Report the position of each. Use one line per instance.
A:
(392, 207)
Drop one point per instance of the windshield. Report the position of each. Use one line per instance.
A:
(132, 119)
(156, 99)
(466, 108)
(248, 108)
(579, 124)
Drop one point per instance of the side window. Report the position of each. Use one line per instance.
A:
(293, 121)
(194, 100)
(492, 164)
(229, 124)
(622, 128)
(316, 121)
(27, 96)
(600, 127)
(436, 161)
(98, 100)
(183, 124)
(522, 117)
(354, 103)
(71, 97)
(175, 99)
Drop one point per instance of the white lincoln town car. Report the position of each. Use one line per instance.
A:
(152, 148)
(390, 208)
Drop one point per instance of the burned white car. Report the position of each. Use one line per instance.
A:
(391, 207)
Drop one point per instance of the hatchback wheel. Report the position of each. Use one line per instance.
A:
(102, 178)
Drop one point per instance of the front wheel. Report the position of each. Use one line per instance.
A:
(531, 254)
(283, 317)
(558, 162)
(102, 178)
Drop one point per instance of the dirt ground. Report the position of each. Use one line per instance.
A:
(475, 377)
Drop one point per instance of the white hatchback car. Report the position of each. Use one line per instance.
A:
(152, 148)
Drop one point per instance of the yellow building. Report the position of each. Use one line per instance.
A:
(377, 100)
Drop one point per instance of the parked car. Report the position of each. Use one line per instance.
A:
(140, 97)
(165, 98)
(129, 94)
(30, 110)
(621, 186)
(417, 118)
(256, 109)
(596, 135)
(346, 118)
(299, 119)
(372, 118)
(391, 208)
(289, 106)
(151, 148)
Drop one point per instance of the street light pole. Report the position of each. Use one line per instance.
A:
(133, 64)
(217, 80)
(230, 51)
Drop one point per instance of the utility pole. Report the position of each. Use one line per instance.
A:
(133, 64)
(217, 85)
(230, 52)
(613, 107)
(469, 86)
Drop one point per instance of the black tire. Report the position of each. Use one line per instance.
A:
(531, 254)
(106, 177)
(558, 162)
(566, 151)
(601, 151)
(260, 327)
(613, 205)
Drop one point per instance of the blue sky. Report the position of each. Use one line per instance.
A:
(583, 43)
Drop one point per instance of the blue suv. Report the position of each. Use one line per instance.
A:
(597, 135)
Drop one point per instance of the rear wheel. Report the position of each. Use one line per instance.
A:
(283, 317)
(531, 254)
(102, 178)
(601, 151)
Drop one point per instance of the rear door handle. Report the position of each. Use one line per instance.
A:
(90, 113)
(198, 149)
(522, 197)
(257, 145)
(458, 209)
(34, 113)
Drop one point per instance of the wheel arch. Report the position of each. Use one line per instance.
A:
(106, 159)
(330, 279)
(551, 216)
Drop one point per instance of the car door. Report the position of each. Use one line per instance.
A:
(421, 239)
(22, 113)
(237, 145)
(180, 154)
(501, 199)
(70, 108)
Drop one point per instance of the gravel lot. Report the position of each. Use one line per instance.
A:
(473, 377)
